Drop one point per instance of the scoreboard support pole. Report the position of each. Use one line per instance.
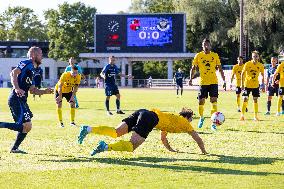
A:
(170, 68)
(129, 73)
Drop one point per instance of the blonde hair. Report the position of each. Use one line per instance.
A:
(32, 50)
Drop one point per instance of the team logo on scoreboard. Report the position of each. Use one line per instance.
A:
(135, 24)
(163, 25)
(113, 26)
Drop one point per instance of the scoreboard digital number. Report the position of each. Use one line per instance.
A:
(143, 33)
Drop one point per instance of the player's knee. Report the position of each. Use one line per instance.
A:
(27, 127)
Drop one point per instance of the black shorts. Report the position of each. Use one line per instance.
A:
(204, 90)
(238, 90)
(20, 109)
(67, 96)
(281, 91)
(142, 122)
(179, 85)
(111, 90)
(38, 86)
(272, 90)
(254, 92)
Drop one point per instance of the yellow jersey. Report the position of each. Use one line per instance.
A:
(237, 70)
(68, 82)
(207, 67)
(172, 123)
(252, 72)
(280, 71)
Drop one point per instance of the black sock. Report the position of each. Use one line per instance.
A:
(181, 91)
(20, 137)
(282, 105)
(268, 105)
(117, 104)
(12, 126)
(107, 105)
(177, 91)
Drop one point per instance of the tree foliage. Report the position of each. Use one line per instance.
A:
(70, 29)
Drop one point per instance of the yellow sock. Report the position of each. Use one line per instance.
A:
(255, 107)
(213, 107)
(104, 130)
(244, 107)
(59, 114)
(72, 114)
(201, 110)
(238, 101)
(121, 146)
(279, 103)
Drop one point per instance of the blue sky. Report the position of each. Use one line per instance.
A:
(103, 6)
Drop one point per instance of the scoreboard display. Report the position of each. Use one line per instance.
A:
(141, 33)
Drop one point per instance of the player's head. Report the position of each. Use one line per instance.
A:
(74, 71)
(274, 61)
(35, 54)
(255, 56)
(186, 113)
(111, 60)
(179, 69)
(72, 61)
(240, 59)
(206, 45)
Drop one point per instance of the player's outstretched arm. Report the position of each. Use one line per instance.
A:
(192, 71)
(166, 142)
(223, 76)
(199, 141)
(36, 91)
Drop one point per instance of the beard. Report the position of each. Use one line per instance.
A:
(38, 62)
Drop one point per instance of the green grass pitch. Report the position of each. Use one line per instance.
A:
(242, 154)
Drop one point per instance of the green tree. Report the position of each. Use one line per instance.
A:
(20, 23)
(70, 29)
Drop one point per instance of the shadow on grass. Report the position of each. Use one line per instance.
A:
(236, 130)
(153, 162)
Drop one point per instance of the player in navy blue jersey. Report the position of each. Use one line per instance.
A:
(22, 81)
(108, 73)
(272, 88)
(178, 79)
(37, 74)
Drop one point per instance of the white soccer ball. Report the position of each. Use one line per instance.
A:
(218, 118)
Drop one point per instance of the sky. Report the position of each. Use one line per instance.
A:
(102, 6)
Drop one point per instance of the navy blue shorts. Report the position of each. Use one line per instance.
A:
(111, 90)
(272, 90)
(254, 92)
(20, 109)
(179, 85)
(204, 90)
(281, 91)
(142, 122)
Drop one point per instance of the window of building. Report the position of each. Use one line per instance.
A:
(46, 72)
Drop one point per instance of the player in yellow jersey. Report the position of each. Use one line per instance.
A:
(250, 83)
(236, 72)
(207, 62)
(280, 71)
(142, 122)
(67, 87)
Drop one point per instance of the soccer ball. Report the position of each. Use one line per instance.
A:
(218, 118)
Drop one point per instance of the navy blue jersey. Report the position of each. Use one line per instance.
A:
(25, 78)
(37, 73)
(270, 73)
(110, 72)
(179, 77)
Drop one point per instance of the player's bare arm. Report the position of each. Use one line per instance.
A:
(166, 142)
(192, 72)
(59, 98)
(242, 80)
(199, 141)
(36, 91)
(222, 75)
(14, 80)
(232, 78)
(102, 74)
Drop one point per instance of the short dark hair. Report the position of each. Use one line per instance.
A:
(74, 67)
(206, 40)
(186, 112)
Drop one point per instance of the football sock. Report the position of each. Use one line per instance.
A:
(181, 91)
(121, 146)
(20, 137)
(59, 113)
(279, 104)
(201, 110)
(72, 114)
(104, 130)
(238, 101)
(282, 105)
(255, 107)
(117, 104)
(244, 107)
(12, 126)
(213, 107)
(107, 104)
(268, 105)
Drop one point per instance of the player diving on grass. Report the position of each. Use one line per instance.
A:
(67, 87)
(141, 123)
